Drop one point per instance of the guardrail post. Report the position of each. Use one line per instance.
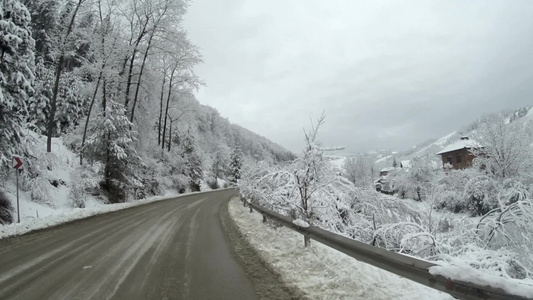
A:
(307, 241)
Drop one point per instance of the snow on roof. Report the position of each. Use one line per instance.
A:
(460, 144)
(388, 169)
(405, 163)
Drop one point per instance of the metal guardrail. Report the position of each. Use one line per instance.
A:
(408, 267)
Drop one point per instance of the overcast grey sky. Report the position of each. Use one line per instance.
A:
(388, 74)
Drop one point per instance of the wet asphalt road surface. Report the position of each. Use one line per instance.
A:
(170, 249)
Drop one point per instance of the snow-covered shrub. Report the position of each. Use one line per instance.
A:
(83, 180)
(180, 182)
(39, 176)
(212, 184)
(503, 261)
(480, 193)
(40, 190)
(449, 189)
(77, 191)
(406, 237)
(414, 182)
(6, 210)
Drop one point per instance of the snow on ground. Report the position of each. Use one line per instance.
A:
(319, 271)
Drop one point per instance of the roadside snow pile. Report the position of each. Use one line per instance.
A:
(467, 274)
(60, 216)
(319, 271)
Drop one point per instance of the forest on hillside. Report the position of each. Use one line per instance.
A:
(114, 82)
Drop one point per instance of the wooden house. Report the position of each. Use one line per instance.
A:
(458, 155)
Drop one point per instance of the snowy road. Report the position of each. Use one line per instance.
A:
(173, 249)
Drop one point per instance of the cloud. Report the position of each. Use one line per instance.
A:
(388, 74)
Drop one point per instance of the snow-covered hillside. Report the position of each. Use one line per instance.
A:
(430, 149)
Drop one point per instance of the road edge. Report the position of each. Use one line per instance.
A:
(267, 282)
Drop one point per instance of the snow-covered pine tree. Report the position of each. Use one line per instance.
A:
(16, 74)
(111, 143)
(235, 165)
(44, 22)
(193, 164)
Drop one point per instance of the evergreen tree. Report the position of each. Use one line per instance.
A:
(44, 22)
(235, 165)
(193, 164)
(111, 143)
(16, 74)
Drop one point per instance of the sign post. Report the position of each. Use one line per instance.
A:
(17, 164)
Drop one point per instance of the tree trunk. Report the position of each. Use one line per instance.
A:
(59, 69)
(138, 87)
(104, 96)
(89, 114)
(132, 60)
(166, 109)
(161, 110)
(53, 105)
(170, 135)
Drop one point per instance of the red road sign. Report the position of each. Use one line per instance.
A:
(18, 162)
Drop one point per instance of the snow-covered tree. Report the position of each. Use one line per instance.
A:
(415, 182)
(111, 143)
(71, 106)
(192, 162)
(219, 165)
(44, 22)
(66, 45)
(235, 166)
(359, 170)
(505, 148)
(16, 74)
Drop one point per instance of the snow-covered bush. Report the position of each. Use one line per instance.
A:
(449, 189)
(38, 176)
(415, 181)
(83, 180)
(180, 182)
(480, 194)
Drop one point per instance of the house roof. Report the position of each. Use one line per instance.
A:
(405, 163)
(388, 169)
(460, 144)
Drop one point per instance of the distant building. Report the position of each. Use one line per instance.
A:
(405, 164)
(385, 171)
(383, 184)
(458, 154)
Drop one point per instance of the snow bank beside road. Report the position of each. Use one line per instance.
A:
(319, 271)
(70, 214)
